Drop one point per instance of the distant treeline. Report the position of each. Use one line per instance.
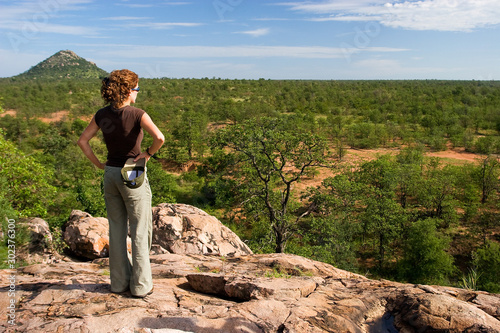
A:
(357, 114)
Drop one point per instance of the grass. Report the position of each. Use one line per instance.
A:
(469, 281)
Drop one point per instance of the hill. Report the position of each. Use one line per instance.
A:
(63, 65)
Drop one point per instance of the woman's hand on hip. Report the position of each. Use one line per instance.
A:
(144, 154)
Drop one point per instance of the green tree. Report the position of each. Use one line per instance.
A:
(365, 135)
(174, 151)
(52, 142)
(468, 191)
(190, 131)
(330, 235)
(383, 221)
(335, 125)
(408, 173)
(425, 259)
(382, 214)
(487, 262)
(6, 209)
(488, 177)
(27, 183)
(91, 198)
(271, 155)
(14, 128)
(330, 240)
(488, 220)
(438, 192)
(163, 185)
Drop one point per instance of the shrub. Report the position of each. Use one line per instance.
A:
(425, 259)
(487, 261)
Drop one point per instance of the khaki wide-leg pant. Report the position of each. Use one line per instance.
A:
(133, 205)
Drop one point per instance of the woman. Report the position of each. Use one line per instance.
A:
(122, 127)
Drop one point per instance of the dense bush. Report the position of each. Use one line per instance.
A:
(425, 259)
(487, 263)
(25, 182)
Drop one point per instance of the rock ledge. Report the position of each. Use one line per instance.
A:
(209, 293)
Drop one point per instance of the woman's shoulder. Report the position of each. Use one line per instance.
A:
(135, 110)
(102, 111)
(132, 112)
(136, 113)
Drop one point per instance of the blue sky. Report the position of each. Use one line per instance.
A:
(252, 39)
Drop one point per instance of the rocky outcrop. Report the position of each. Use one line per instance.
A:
(87, 236)
(254, 293)
(177, 228)
(185, 229)
(218, 285)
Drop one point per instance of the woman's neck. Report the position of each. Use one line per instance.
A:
(123, 105)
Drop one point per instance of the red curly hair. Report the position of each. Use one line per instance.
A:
(116, 87)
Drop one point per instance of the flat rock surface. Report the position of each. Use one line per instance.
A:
(250, 293)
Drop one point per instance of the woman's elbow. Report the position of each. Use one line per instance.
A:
(81, 142)
(160, 138)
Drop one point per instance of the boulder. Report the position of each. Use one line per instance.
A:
(439, 312)
(87, 236)
(245, 289)
(180, 228)
(40, 235)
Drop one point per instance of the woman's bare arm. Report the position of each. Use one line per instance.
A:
(158, 138)
(83, 143)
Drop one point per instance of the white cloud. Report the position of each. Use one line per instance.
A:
(345, 18)
(163, 25)
(443, 15)
(309, 52)
(327, 7)
(255, 33)
(138, 5)
(166, 3)
(28, 30)
(125, 18)
(270, 19)
(440, 15)
(28, 18)
(146, 22)
(31, 9)
(177, 3)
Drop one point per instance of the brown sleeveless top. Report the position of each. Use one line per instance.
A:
(122, 132)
